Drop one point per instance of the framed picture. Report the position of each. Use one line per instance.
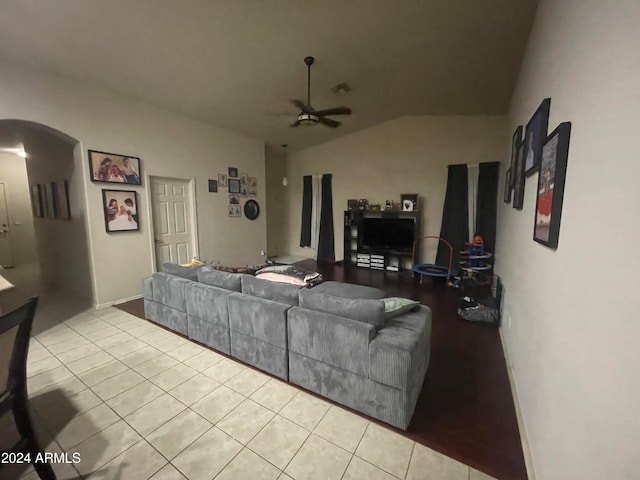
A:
(234, 199)
(553, 172)
(507, 186)
(518, 178)
(253, 191)
(120, 210)
(244, 179)
(49, 202)
(352, 204)
(222, 180)
(244, 191)
(213, 186)
(61, 200)
(409, 202)
(252, 181)
(36, 201)
(234, 185)
(535, 136)
(389, 205)
(235, 211)
(515, 141)
(113, 168)
(233, 172)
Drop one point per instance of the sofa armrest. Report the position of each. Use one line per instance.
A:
(399, 354)
(338, 341)
(147, 288)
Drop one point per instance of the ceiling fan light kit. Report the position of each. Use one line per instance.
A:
(309, 115)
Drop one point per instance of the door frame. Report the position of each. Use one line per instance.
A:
(193, 215)
(10, 230)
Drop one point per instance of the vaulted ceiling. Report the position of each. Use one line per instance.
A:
(236, 64)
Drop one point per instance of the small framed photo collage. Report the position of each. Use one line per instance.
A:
(240, 185)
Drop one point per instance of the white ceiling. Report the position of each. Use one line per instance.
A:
(236, 64)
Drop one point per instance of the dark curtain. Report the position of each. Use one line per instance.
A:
(307, 205)
(455, 223)
(326, 246)
(487, 204)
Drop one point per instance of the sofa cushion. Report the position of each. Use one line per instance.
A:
(190, 273)
(169, 290)
(361, 309)
(220, 279)
(394, 306)
(278, 292)
(348, 290)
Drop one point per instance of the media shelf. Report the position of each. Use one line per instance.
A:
(388, 247)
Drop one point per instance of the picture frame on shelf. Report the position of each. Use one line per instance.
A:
(363, 204)
(108, 167)
(518, 180)
(352, 204)
(409, 202)
(535, 136)
(389, 205)
(120, 211)
(551, 181)
(516, 139)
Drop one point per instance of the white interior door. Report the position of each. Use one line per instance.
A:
(171, 206)
(6, 253)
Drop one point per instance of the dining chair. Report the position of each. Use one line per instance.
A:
(15, 332)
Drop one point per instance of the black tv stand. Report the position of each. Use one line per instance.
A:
(353, 220)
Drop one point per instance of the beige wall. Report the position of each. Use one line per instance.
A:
(275, 166)
(571, 316)
(168, 144)
(13, 173)
(406, 155)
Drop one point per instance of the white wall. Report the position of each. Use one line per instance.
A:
(573, 313)
(13, 173)
(168, 144)
(406, 155)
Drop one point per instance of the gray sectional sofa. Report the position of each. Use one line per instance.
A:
(334, 339)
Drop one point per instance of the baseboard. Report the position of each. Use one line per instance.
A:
(526, 451)
(100, 306)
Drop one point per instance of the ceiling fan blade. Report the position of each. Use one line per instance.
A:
(300, 104)
(295, 124)
(335, 111)
(328, 122)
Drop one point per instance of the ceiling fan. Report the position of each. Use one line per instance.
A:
(309, 115)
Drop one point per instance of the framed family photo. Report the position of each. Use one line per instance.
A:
(535, 136)
(551, 180)
(120, 211)
(61, 199)
(234, 185)
(114, 168)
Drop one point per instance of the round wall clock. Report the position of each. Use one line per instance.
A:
(251, 209)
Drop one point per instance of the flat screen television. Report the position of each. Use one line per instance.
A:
(387, 235)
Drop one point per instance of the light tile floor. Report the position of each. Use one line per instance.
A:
(137, 402)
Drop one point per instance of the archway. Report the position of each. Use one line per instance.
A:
(50, 242)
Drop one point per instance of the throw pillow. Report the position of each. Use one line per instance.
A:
(394, 306)
(277, 277)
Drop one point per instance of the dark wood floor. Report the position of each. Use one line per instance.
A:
(465, 409)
